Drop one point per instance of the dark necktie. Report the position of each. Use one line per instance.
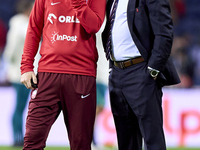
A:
(111, 22)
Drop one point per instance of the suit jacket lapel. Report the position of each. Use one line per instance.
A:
(105, 32)
(130, 18)
(131, 9)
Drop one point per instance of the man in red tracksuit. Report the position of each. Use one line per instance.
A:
(66, 72)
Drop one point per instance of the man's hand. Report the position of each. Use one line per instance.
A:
(26, 79)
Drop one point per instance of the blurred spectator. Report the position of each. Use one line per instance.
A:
(102, 78)
(13, 50)
(188, 18)
(180, 7)
(195, 53)
(3, 31)
(183, 61)
(186, 46)
(178, 10)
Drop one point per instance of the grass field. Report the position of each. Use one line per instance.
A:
(66, 148)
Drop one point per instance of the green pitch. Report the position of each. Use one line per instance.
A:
(20, 148)
(183, 148)
(66, 148)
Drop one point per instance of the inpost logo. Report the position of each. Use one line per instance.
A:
(56, 37)
(62, 19)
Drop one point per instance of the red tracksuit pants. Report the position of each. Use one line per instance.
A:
(75, 95)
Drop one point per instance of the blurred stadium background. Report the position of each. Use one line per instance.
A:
(181, 103)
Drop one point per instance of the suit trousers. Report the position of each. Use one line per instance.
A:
(136, 100)
(75, 96)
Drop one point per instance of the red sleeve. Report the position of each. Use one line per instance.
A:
(91, 14)
(33, 36)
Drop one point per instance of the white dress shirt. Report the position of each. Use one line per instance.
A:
(123, 46)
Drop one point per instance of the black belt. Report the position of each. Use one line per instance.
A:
(128, 63)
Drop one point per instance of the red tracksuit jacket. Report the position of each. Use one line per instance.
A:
(67, 29)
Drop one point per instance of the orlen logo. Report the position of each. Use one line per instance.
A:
(63, 19)
(50, 18)
(56, 37)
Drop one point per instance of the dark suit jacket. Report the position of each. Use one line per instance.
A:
(151, 28)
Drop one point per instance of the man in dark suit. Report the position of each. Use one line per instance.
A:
(137, 40)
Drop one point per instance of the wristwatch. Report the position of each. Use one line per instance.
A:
(153, 72)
